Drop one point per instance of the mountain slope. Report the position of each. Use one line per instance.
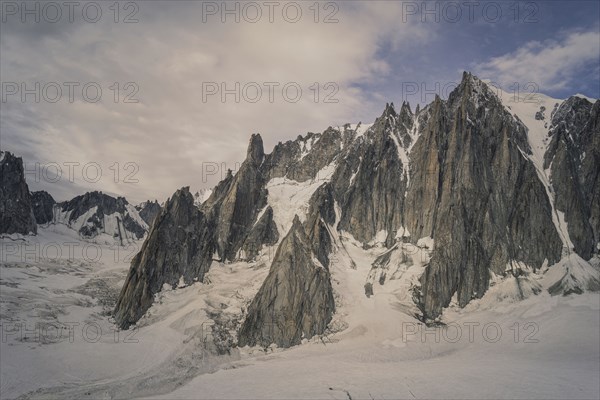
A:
(463, 178)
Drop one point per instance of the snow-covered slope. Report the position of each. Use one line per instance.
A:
(548, 346)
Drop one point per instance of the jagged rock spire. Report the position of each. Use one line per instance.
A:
(256, 152)
(180, 244)
(296, 299)
(16, 213)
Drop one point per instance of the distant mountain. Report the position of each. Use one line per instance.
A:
(91, 214)
(95, 213)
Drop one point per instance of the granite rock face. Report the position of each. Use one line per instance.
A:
(184, 236)
(16, 213)
(302, 159)
(148, 211)
(319, 222)
(460, 172)
(43, 207)
(179, 246)
(477, 195)
(296, 299)
(371, 180)
(236, 205)
(264, 232)
(573, 157)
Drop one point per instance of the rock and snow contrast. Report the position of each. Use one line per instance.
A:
(447, 252)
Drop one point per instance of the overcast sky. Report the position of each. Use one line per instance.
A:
(173, 59)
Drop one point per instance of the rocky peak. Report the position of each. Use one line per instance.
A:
(319, 222)
(469, 153)
(405, 110)
(474, 92)
(389, 111)
(16, 213)
(256, 152)
(571, 117)
(470, 156)
(179, 246)
(296, 299)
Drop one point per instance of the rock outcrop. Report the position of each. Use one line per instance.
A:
(371, 179)
(236, 204)
(319, 222)
(43, 206)
(302, 159)
(16, 212)
(296, 299)
(459, 174)
(573, 157)
(184, 236)
(264, 232)
(148, 211)
(179, 246)
(476, 194)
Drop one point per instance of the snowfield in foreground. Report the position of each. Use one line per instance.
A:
(58, 339)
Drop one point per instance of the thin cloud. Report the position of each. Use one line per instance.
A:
(171, 133)
(552, 64)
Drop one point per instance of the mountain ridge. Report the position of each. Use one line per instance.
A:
(461, 172)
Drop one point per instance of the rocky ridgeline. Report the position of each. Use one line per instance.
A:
(90, 214)
(95, 212)
(457, 171)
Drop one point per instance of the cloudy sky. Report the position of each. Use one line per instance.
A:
(145, 97)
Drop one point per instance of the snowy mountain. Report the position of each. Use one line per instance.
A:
(96, 213)
(486, 185)
(384, 260)
(93, 215)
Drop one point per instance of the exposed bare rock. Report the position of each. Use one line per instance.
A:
(370, 182)
(318, 225)
(43, 205)
(235, 204)
(473, 190)
(296, 299)
(179, 246)
(16, 213)
(184, 237)
(264, 232)
(573, 157)
(148, 211)
(302, 159)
